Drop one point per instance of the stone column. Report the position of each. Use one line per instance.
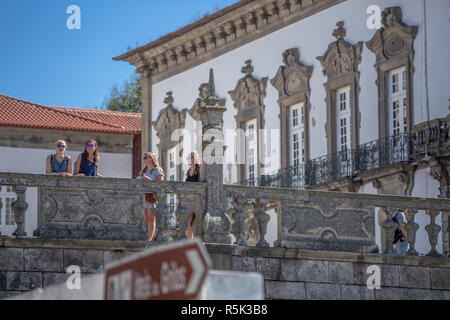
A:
(146, 87)
(238, 218)
(445, 233)
(217, 223)
(19, 207)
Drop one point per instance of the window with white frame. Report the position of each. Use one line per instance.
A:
(7, 224)
(343, 112)
(251, 151)
(397, 102)
(172, 176)
(297, 134)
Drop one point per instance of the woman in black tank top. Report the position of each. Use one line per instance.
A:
(192, 175)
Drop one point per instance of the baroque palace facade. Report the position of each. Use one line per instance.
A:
(348, 105)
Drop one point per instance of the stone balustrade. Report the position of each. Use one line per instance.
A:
(112, 209)
(432, 138)
(102, 208)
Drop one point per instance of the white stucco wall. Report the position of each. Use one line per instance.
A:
(312, 36)
(26, 160)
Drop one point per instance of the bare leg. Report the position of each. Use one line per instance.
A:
(189, 232)
(151, 225)
(150, 221)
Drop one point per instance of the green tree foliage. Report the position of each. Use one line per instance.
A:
(126, 98)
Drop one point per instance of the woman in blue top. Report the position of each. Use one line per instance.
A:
(151, 171)
(87, 162)
(59, 164)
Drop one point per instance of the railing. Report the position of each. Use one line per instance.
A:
(384, 152)
(112, 209)
(432, 137)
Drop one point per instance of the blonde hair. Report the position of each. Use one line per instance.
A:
(61, 141)
(152, 155)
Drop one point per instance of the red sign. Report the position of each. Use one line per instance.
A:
(170, 271)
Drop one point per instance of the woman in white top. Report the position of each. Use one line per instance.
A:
(150, 171)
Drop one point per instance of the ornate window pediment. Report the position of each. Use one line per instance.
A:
(292, 78)
(169, 119)
(394, 38)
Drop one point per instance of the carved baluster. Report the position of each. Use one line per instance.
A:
(284, 6)
(241, 26)
(433, 230)
(250, 22)
(446, 233)
(19, 207)
(238, 218)
(411, 229)
(263, 219)
(161, 213)
(389, 228)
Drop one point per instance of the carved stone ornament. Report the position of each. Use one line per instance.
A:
(249, 91)
(293, 77)
(169, 119)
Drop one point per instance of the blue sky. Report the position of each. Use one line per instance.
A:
(42, 61)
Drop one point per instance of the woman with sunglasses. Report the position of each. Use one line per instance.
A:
(88, 162)
(59, 164)
(150, 171)
(192, 175)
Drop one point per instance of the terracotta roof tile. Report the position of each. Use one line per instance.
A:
(19, 113)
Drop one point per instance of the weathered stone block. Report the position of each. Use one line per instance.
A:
(6, 294)
(247, 264)
(270, 268)
(341, 272)
(2, 280)
(221, 261)
(89, 261)
(23, 280)
(446, 295)
(114, 256)
(304, 270)
(414, 277)
(440, 278)
(44, 260)
(389, 274)
(11, 259)
(52, 278)
(285, 290)
(323, 291)
(407, 294)
(350, 292)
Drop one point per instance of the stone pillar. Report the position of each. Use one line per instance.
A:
(19, 207)
(433, 230)
(411, 229)
(217, 223)
(161, 213)
(146, 87)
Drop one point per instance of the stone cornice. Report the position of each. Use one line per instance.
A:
(219, 33)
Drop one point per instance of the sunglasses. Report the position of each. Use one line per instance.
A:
(145, 158)
(60, 146)
(90, 145)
